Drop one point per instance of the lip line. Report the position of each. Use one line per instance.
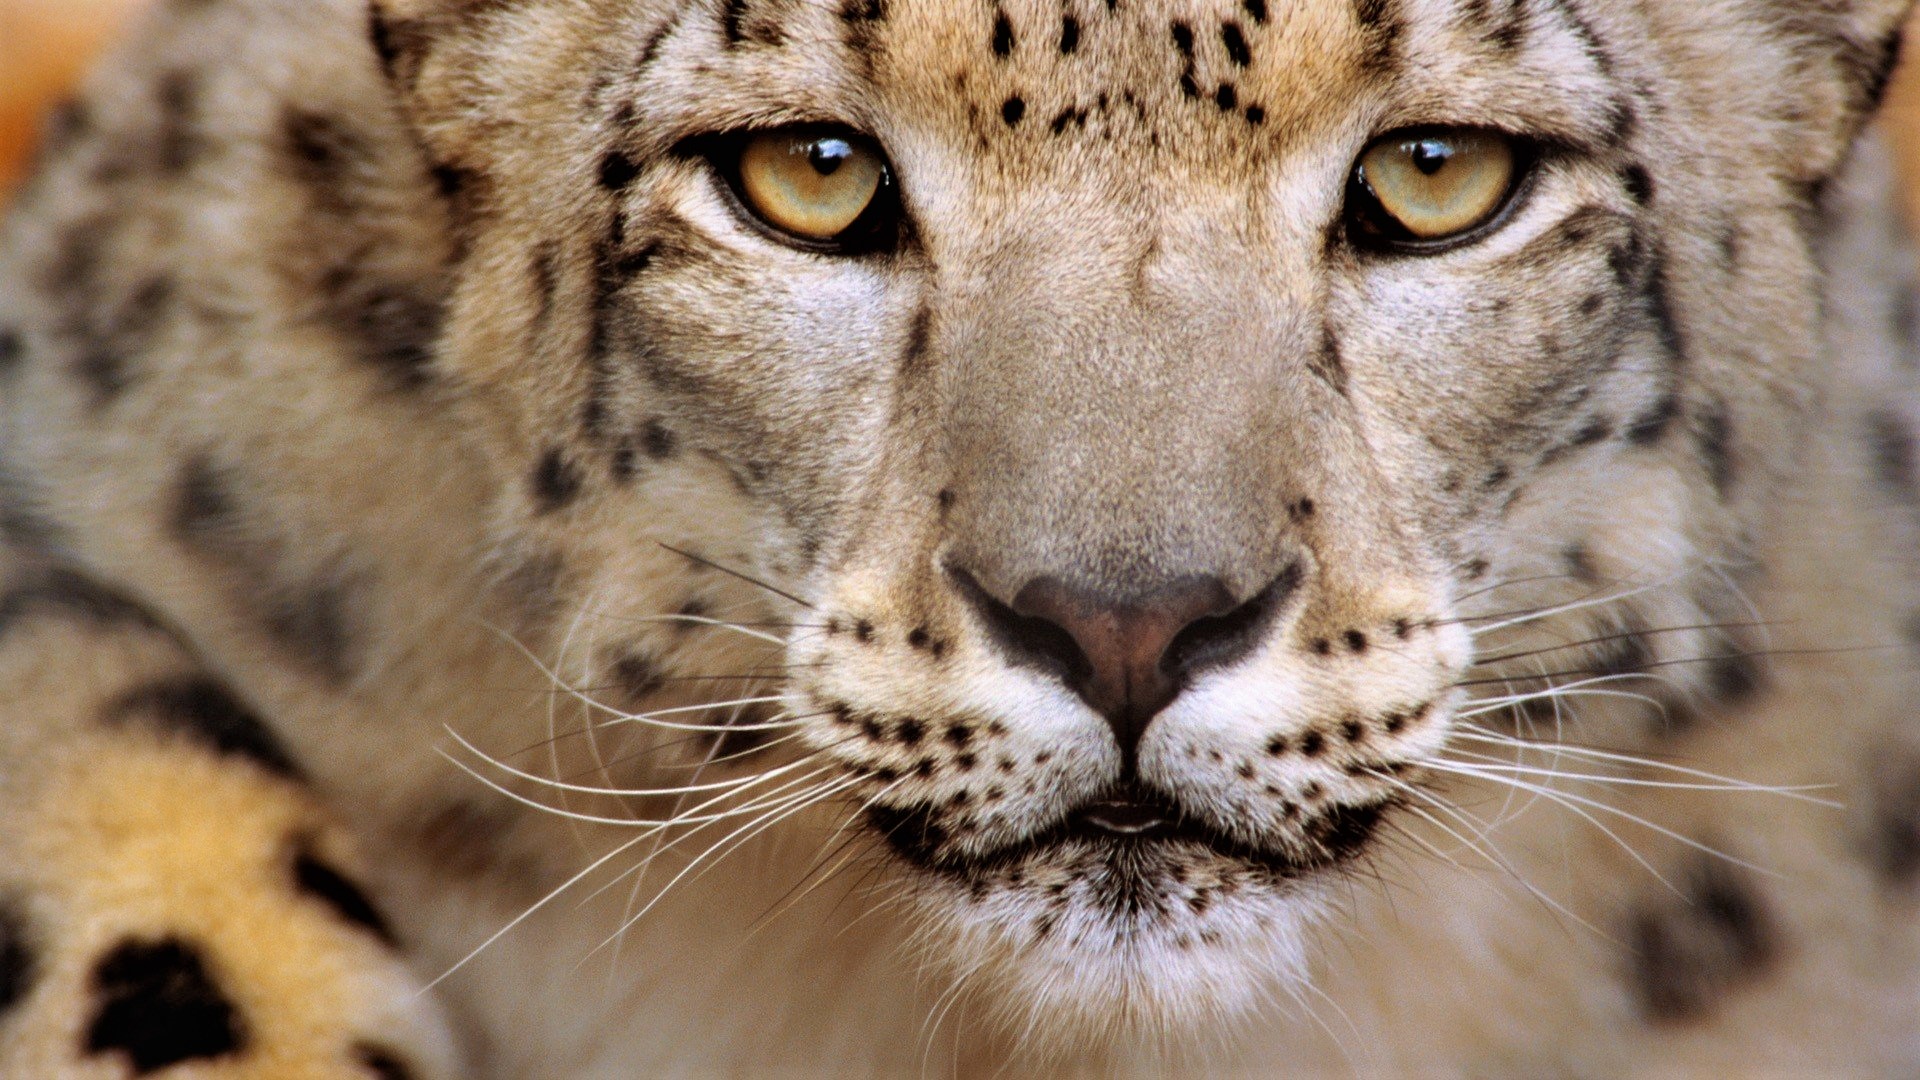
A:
(1341, 832)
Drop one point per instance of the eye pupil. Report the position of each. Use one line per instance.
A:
(1430, 156)
(827, 155)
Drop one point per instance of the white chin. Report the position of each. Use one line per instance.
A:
(1075, 975)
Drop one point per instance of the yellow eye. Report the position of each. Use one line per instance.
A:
(1432, 185)
(814, 186)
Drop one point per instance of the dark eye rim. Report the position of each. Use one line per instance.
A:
(1369, 227)
(876, 231)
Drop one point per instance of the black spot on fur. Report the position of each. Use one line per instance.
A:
(308, 617)
(204, 711)
(381, 1062)
(554, 483)
(1660, 310)
(179, 142)
(1235, 41)
(203, 510)
(1893, 837)
(1650, 426)
(1689, 952)
(1597, 429)
(59, 591)
(314, 878)
(159, 1006)
(1623, 121)
(1734, 677)
(1012, 110)
(18, 968)
(393, 326)
(659, 441)
(1226, 97)
(1892, 453)
(1381, 20)
(1069, 35)
(398, 44)
(531, 586)
(1627, 654)
(324, 154)
(452, 181)
(1580, 562)
(1874, 71)
(13, 349)
(1713, 434)
(862, 20)
(1638, 182)
(1904, 317)
(732, 14)
(1182, 37)
(637, 676)
(1256, 115)
(380, 36)
(1510, 30)
(617, 170)
(1256, 10)
(1003, 40)
(105, 330)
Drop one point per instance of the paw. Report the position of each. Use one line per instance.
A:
(169, 911)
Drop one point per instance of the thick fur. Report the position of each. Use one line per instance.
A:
(410, 447)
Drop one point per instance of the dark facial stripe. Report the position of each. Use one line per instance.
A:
(1328, 364)
(913, 357)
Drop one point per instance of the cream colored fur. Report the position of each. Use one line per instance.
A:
(1106, 349)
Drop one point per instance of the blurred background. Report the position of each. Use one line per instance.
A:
(46, 44)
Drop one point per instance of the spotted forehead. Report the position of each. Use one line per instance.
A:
(1020, 69)
(1192, 79)
(1047, 63)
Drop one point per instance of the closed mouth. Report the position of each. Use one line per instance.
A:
(1134, 820)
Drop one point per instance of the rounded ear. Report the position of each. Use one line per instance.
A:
(1843, 56)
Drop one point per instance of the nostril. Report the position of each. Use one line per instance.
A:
(1218, 640)
(1028, 637)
